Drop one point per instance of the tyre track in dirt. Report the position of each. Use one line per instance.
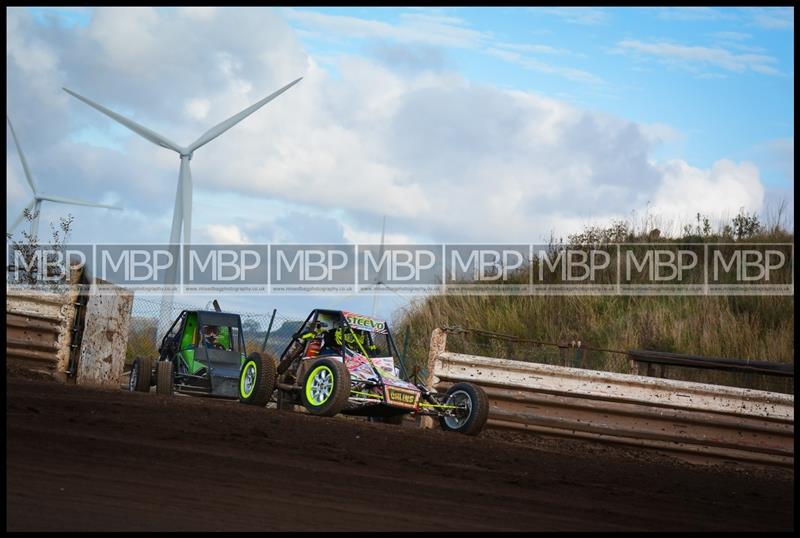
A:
(92, 459)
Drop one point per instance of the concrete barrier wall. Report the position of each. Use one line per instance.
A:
(104, 337)
(70, 336)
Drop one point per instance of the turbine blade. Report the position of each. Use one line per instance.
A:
(217, 130)
(186, 187)
(75, 201)
(21, 216)
(27, 170)
(142, 131)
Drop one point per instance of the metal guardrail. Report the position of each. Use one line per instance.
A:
(38, 328)
(696, 420)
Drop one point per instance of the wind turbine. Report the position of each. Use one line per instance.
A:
(36, 203)
(182, 212)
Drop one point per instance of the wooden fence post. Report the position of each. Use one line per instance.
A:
(438, 345)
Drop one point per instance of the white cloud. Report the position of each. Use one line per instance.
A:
(366, 237)
(533, 48)
(225, 234)
(442, 31)
(659, 133)
(721, 191)
(579, 15)
(775, 18)
(443, 158)
(731, 36)
(533, 64)
(695, 14)
(198, 108)
(434, 30)
(18, 192)
(692, 56)
(199, 13)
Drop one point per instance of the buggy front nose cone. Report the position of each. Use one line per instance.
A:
(225, 386)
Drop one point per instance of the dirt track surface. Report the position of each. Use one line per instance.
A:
(88, 459)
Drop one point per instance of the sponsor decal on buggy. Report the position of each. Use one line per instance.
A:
(365, 323)
(401, 398)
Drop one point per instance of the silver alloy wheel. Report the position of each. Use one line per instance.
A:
(458, 398)
(134, 379)
(249, 378)
(322, 386)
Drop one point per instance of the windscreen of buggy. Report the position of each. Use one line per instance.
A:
(361, 342)
(227, 337)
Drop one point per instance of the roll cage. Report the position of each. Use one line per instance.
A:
(333, 320)
(196, 363)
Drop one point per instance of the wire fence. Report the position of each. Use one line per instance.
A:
(146, 320)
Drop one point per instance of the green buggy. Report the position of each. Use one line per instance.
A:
(202, 353)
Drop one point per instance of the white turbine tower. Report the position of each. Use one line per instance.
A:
(38, 197)
(378, 281)
(182, 213)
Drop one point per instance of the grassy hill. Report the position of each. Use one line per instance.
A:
(744, 327)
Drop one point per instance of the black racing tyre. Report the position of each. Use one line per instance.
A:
(477, 403)
(257, 379)
(165, 378)
(141, 371)
(325, 387)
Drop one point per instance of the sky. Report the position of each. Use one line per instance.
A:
(458, 124)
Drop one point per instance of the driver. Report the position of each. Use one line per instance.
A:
(330, 345)
(210, 336)
(357, 341)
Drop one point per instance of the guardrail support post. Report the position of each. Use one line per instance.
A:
(438, 345)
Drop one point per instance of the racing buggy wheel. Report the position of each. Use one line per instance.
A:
(140, 374)
(325, 387)
(257, 379)
(471, 409)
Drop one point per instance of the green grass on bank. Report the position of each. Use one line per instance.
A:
(743, 327)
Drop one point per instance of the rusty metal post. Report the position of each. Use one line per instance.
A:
(438, 346)
(578, 363)
(269, 330)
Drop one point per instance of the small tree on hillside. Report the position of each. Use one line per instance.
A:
(27, 249)
(746, 225)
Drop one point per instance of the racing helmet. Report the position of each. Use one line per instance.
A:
(211, 333)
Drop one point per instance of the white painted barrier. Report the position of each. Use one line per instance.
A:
(684, 417)
(69, 336)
